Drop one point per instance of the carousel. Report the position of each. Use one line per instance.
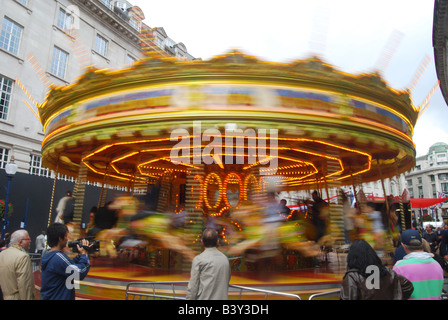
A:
(215, 138)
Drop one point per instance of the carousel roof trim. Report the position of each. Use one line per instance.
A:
(235, 66)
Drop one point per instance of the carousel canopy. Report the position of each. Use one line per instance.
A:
(304, 121)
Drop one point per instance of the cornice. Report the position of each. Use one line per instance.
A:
(439, 37)
(110, 18)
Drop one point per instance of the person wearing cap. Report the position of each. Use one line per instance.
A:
(420, 268)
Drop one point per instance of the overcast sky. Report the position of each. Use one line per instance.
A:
(349, 34)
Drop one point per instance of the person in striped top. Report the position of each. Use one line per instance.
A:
(420, 268)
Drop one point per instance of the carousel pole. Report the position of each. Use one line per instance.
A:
(403, 220)
(382, 184)
(353, 186)
(326, 186)
(336, 215)
(52, 194)
(103, 193)
(79, 194)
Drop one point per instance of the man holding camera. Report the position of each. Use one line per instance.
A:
(58, 270)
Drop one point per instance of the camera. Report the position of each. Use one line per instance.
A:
(94, 245)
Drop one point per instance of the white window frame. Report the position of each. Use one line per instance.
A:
(5, 96)
(4, 157)
(59, 62)
(101, 45)
(36, 167)
(130, 59)
(9, 39)
(65, 20)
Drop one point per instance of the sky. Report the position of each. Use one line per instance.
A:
(352, 35)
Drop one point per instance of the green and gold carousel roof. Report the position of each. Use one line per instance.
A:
(163, 115)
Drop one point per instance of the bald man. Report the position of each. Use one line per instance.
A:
(210, 271)
(16, 276)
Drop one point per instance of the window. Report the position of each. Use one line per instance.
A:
(432, 177)
(3, 157)
(24, 2)
(411, 193)
(10, 36)
(420, 192)
(59, 62)
(101, 45)
(409, 181)
(130, 59)
(419, 180)
(65, 20)
(5, 96)
(107, 3)
(444, 187)
(36, 167)
(443, 176)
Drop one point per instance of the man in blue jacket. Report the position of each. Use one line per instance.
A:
(58, 270)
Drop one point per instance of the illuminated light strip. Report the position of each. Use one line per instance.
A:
(310, 164)
(218, 214)
(258, 162)
(101, 173)
(419, 72)
(37, 67)
(201, 185)
(21, 86)
(204, 190)
(246, 184)
(302, 178)
(162, 169)
(31, 109)
(78, 47)
(328, 144)
(127, 174)
(313, 181)
(125, 156)
(426, 103)
(147, 162)
(281, 148)
(389, 50)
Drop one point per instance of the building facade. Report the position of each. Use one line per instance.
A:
(46, 43)
(429, 179)
(52, 42)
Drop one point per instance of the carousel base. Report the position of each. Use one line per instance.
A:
(107, 279)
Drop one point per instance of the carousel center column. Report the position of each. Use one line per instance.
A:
(193, 205)
(79, 193)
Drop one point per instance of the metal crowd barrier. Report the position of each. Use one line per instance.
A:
(176, 290)
(334, 294)
(35, 261)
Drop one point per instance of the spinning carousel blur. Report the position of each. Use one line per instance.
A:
(210, 143)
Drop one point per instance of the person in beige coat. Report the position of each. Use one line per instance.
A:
(210, 271)
(16, 276)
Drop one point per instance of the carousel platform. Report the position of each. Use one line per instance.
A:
(107, 280)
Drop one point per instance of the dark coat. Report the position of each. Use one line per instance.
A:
(392, 286)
